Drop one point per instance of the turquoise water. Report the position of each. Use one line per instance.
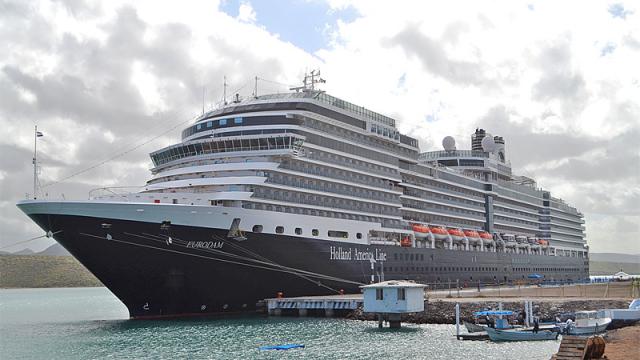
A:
(90, 323)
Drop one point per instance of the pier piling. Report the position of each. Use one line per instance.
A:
(457, 321)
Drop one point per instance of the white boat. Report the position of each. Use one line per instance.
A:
(587, 322)
(519, 335)
(474, 328)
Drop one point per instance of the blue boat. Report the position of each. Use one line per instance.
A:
(519, 335)
(282, 347)
(498, 321)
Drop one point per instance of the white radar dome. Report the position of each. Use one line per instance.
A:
(488, 144)
(449, 143)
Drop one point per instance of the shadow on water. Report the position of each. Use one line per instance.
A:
(388, 330)
(176, 323)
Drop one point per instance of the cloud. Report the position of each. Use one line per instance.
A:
(246, 12)
(101, 77)
(433, 57)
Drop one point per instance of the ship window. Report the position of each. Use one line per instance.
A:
(279, 229)
(379, 294)
(237, 120)
(315, 232)
(358, 236)
(222, 122)
(257, 228)
(199, 126)
(209, 124)
(298, 231)
(338, 234)
(174, 201)
(401, 294)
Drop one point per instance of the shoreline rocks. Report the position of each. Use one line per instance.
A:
(443, 312)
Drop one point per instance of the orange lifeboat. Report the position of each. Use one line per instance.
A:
(543, 242)
(472, 234)
(456, 234)
(439, 232)
(420, 231)
(405, 242)
(485, 235)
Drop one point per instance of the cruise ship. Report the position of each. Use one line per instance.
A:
(303, 193)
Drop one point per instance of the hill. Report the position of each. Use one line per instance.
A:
(34, 271)
(616, 258)
(610, 268)
(54, 250)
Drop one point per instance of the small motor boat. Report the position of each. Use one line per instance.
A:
(520, 335)
(474, 328)
(282, 347)
(587, 323)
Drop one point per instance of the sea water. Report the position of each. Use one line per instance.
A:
(90, 323)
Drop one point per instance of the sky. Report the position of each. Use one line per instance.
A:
(114, 81)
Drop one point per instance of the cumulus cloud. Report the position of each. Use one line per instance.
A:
(99, 77)
(246, 12)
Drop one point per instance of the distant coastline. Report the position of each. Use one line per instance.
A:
(44, 271)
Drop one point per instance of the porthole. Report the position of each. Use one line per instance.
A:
(257, 228)
(298, 231)
(315, 232)
(279, 229)
(358, 235)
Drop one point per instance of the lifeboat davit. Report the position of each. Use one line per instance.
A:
(521, 239)
(485, 235)
(439, 232)
(420, 231)
(510, 240)
(405, 242)
(456, 234)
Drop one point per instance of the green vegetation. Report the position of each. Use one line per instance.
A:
(610, 268)
(36, 271)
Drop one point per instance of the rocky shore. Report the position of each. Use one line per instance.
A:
(443, 312)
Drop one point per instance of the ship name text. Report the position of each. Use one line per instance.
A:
(354, 254)
(205, 244)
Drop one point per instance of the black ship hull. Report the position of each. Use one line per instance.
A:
(178, 270)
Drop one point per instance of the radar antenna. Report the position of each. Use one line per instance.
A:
(309, 82)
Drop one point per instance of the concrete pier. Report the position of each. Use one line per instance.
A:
(305, 306)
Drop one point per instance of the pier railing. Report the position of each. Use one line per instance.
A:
(555, 289)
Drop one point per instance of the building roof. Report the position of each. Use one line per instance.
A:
(393, 284)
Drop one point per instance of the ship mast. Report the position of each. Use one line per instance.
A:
(309, 82)
(36, 135)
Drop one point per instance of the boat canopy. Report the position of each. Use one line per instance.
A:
(493, 313)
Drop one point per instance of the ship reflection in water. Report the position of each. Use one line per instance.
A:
(91, 323)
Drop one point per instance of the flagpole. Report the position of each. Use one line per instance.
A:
(35, 162)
